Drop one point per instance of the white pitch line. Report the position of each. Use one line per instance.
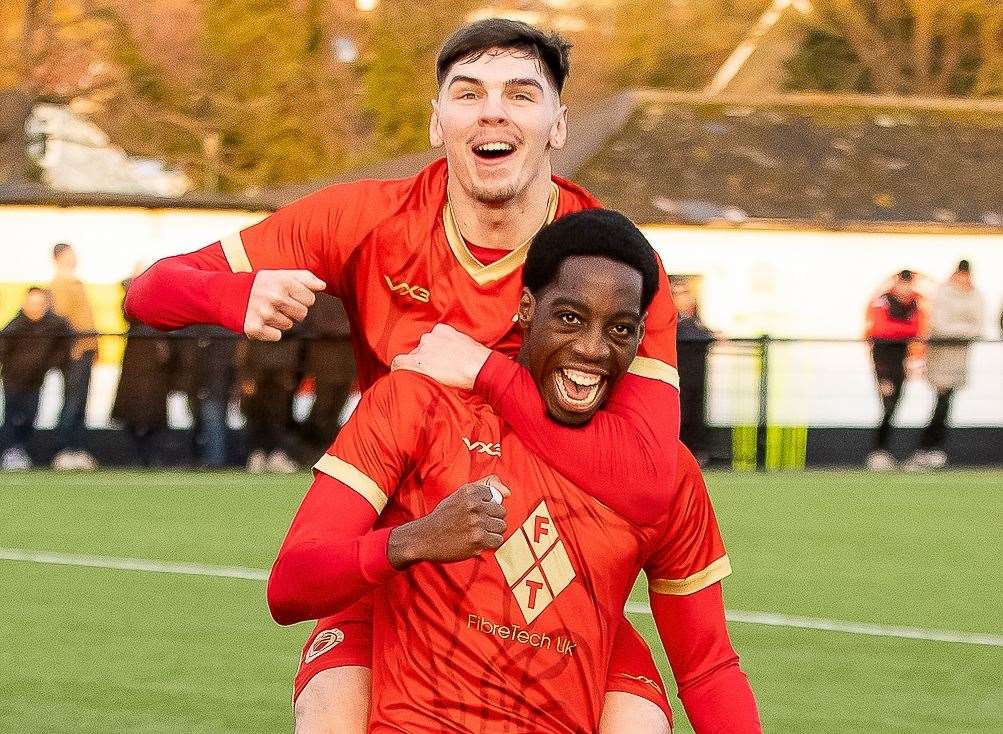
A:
(132, 564)
(254, 574)
(853, 628)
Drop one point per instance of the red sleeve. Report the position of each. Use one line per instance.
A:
(195, 288)
(688, 553)
(715, 692)
(330, 558)
(634, 435)
(318, 233)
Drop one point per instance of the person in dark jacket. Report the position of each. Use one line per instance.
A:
(35, 341)
(268, 378)
(206, 375)
(893, 321)
(141, 398)
(694, 340)
(329, 361)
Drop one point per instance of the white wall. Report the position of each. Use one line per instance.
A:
(109, 241)
(787, 284)
(817, 285)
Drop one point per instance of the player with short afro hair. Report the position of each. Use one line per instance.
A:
(595, 233)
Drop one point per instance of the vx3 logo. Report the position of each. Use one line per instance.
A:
(404, 288)
(491, 449)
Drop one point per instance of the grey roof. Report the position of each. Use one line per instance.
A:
(78, 156)
(822, 160)
(830, 161)
(662, 157)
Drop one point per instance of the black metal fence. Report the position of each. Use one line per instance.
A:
(747, 403)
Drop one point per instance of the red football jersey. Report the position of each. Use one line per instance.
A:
(392, 251)
(518, 639)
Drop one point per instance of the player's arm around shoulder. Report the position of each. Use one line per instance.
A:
(651, 385)
(685, 570)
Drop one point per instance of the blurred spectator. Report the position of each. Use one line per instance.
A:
(35, 341)
(694, 340)
(893, 320)
(268, 379)
(69, 300)
(956, 319)
(206, 356)
(331, 364)
(141, 398)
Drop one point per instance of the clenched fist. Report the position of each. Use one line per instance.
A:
(279, 299)
(463, 525)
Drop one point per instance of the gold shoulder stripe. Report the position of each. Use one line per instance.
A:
(361, 483)
(236, 255)
(700, 580)
(484, 274)
(655, 370)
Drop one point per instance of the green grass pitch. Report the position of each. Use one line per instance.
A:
(99, 650)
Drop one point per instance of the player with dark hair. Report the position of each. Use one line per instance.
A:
(445, 246)
(893, 320)
(472, 41)
(497, 609)
(597, 232)
(35, 341)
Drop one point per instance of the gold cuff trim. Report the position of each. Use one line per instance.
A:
(700, 580)
(483, 274)
(346, 473)
(236, 255)
(655, 370)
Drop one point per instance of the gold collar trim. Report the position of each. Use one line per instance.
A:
(483, 274)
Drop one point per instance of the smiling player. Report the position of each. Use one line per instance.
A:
(446, 246)
(497, 609)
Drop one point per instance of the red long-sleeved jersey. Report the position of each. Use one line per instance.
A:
(519, 638)
(889, 319)
(392, 252)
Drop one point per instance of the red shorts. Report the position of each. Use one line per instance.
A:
(346, 639)
(633, 670)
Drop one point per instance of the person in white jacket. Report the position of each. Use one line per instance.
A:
(956, 320)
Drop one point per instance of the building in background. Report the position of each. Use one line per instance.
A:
(75, 155)
(113, 234)
(792, 210)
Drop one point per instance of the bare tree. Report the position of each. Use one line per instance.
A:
(52, 51)
(927, 47)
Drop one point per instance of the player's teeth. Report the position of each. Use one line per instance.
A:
(494, 147)
(583, 402)
(584, 379)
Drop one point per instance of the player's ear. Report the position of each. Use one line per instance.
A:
(559, 130)
(640, 330)
(527, 307)
(435, 135)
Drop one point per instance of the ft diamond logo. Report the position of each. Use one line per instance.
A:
(535, 563)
